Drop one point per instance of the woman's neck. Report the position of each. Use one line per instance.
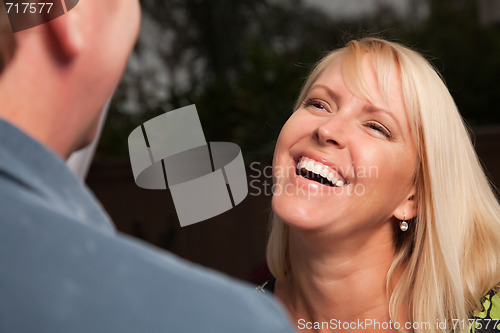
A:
(339, 282)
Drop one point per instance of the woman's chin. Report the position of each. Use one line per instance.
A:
(297, 215)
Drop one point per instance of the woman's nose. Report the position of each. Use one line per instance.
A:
(331, 132)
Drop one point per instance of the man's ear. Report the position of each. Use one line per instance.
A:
(67, 34)
(407, 209)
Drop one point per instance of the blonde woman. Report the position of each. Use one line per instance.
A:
(384, 219)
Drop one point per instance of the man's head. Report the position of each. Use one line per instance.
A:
(7, 41)
(62, 72)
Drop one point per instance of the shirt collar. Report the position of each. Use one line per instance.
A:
(39, 170)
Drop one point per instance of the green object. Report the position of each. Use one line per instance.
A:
(488, 318)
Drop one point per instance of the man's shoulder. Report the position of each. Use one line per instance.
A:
(60, 271)
(67, 276)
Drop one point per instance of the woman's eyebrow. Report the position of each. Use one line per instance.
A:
(329, 91)
(374, 109)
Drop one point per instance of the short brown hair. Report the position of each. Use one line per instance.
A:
(7, 40)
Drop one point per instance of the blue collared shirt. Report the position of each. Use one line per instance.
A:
(64, 268)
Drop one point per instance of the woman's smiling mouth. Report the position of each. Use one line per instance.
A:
(317, 171)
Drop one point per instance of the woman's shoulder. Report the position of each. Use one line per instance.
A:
(487, 319)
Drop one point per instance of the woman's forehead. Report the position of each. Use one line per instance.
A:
(365, 77)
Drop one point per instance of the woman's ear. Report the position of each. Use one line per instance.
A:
(408, 208)
(67, 34)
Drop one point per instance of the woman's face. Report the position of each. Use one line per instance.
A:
(365, 150)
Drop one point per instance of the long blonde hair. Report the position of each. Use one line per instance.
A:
(450, 257)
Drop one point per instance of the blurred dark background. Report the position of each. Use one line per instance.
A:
(242, 63)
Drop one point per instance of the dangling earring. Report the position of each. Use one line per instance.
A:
(403, 225)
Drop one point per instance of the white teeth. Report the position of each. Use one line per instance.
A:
(324, 173)
(319, 169)
(332, 178)
(309, 166)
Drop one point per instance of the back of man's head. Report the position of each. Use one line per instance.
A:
(56, 76)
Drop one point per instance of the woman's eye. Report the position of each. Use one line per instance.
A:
(315, 104)
(379, 128)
